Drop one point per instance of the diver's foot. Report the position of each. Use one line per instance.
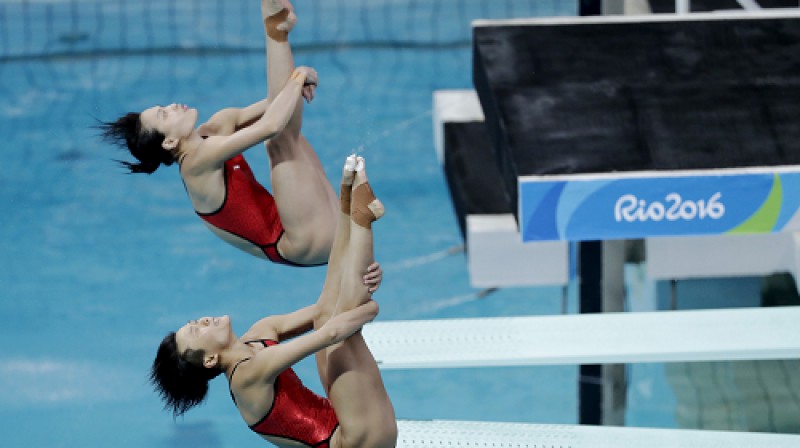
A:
(365, 208)
(346, 189)
(349, 169)
(279, 18)
(271, 7)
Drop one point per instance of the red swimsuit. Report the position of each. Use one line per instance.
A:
(297, 413)
(248, 210)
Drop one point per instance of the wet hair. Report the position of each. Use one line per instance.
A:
(179, 378)
(144, 145)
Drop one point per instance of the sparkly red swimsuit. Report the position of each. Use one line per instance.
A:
(248, 210)
(297, 413)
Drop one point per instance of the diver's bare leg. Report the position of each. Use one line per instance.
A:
(303, 194)
(279, 19)
(352, 379)
(365, 208)
(331, 289)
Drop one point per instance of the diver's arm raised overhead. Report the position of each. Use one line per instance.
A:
(269, 363)
(284, 326)
(231, 119)
(218, 149)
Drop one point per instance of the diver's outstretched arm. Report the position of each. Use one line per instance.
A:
(231, 119)
(268, 363)
(221, 148)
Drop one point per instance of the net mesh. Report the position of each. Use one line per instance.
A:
(36, 29)
(66, 63)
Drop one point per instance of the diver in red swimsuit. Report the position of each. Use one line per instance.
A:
(357, 411)
(248, 211)
(297, 413)
(300, 219)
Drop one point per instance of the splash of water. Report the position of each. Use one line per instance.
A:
(435, 305)
(423, 259)
(388, 132)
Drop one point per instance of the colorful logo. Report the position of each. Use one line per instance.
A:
(587, 207)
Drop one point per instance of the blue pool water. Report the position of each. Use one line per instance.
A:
(98, 265)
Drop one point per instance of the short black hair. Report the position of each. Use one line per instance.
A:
(179, 381)
(144, 145)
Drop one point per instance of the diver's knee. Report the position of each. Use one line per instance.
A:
(386, 437)
(355, 434)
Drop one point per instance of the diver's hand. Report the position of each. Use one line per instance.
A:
(345, 324)
(373, 277)
(308, 92)
(310, 83)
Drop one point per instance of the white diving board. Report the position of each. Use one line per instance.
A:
(608, 338)
(449, 433)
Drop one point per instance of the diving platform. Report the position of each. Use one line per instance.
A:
(620, 127)
(680, 131)
(601, 338)
(497, 256)
(452, 433)
(482, 206)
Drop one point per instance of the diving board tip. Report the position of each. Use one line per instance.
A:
(451, 433)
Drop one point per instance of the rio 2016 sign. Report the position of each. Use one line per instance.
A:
(629, 208)
(586, 207)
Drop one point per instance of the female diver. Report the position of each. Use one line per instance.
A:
(269, 396)
(294, 227)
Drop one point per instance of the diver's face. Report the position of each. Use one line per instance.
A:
(210, 334)
(174, 121)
